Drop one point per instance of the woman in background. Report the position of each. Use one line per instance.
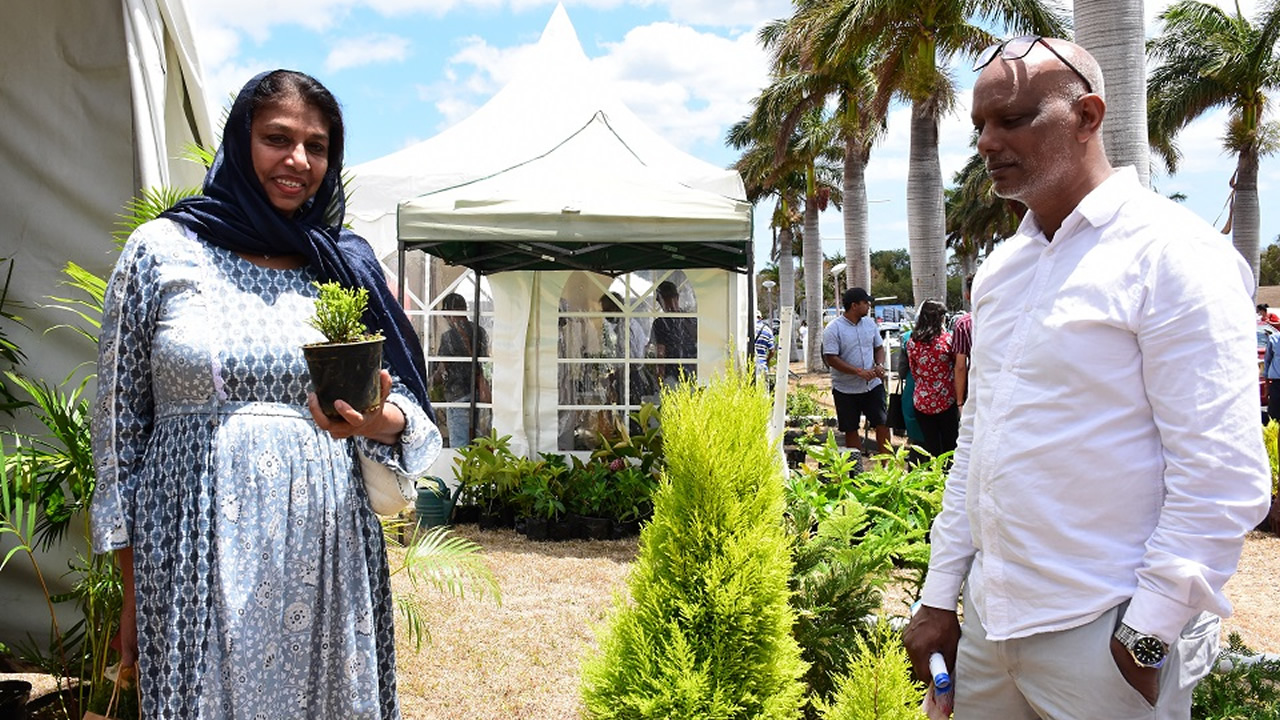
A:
(255, 574)
(933, 369)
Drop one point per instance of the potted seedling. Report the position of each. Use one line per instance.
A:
(347, 366)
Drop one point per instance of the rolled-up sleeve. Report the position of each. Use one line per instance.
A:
(419, 445)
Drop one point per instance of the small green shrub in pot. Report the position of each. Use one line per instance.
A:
(348, 365)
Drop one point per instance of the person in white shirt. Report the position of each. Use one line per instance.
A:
(1110, 459)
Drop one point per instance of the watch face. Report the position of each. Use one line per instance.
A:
(1148, 651)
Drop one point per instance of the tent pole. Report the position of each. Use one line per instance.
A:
(751, 305)
(475, 355)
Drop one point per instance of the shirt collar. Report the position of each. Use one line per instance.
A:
(1097, 208)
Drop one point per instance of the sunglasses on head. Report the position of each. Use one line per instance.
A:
(1018, 48)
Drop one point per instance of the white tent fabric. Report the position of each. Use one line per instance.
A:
(589, 188)
(99, 99)
(555, 94)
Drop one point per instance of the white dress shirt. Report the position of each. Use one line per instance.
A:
(1110, 447)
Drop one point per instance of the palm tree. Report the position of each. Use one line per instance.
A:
(1113, 31)
(809, 150)
(852, 87)
(1207, 58)
(913, 40)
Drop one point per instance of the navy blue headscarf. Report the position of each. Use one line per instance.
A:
(234, 213)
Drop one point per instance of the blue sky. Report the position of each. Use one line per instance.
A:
(407, 69)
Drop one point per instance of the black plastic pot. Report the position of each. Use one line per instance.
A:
(536, 528)
(466, 514)
(562, 529)
(490, 521)
(348, 371)
(625, 529)
(594, 528)
(13, 698)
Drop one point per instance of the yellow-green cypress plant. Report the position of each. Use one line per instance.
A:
(706, 631)
(879, 685)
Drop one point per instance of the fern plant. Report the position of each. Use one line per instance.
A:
(706, 632)
(447, 564)
(340, 313)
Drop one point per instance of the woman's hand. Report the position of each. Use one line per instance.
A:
(383, 425)
(126, 640)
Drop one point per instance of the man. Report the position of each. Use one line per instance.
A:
(961, 346)
(1110, 459)
(764, 347)
(852, 348)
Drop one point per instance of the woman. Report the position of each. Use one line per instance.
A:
(253, 566)
(933, 369)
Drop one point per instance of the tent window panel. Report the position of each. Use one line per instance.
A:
(455, 423)
(582, 429)
(654, 376)
(591, 383)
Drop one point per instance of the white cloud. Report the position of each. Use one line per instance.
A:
(366, 50)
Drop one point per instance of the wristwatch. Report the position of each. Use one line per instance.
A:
(1147, 650)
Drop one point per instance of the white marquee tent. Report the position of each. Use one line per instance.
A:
(555, 174)
(99, 100)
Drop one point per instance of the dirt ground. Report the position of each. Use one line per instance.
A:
(521, 659)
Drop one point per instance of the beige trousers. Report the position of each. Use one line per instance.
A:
(1070, 674)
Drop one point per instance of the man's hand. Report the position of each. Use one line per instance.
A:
(1143, 679)
(931, 630)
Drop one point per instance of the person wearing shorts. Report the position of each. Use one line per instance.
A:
(853, 349)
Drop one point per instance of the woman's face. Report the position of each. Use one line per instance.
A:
(290, 148)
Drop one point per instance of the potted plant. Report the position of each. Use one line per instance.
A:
(348, 364)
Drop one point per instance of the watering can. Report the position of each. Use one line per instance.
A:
(435, 503)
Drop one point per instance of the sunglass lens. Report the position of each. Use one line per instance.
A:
(986, 56)
(1017, 48)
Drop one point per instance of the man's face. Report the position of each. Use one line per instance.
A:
(860, 309)
(1026, 131)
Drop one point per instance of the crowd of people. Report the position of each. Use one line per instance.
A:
(1100, 402)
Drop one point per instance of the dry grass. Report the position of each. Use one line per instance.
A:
(521, 660)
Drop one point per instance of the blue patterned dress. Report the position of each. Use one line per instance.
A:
(260, 570)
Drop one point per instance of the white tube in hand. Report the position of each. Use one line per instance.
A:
(938, 669)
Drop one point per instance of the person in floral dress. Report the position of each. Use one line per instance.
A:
(933, 367)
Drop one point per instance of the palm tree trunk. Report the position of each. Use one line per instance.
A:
(813, 273)
(1245, 217)
(1113, 32)
(786, 297)
(926, 217)
(857, 249)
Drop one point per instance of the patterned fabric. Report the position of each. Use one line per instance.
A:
(962, 335)
(260, 571)
(933, 368)
(764, 344)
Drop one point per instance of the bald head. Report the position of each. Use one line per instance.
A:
(1038, 110)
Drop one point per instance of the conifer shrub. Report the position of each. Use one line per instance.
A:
(706, 630)
(878, 685)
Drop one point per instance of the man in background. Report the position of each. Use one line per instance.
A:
(853, 349)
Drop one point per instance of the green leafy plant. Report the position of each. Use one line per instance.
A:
(706, 629)
(878, 685)
(804, 403)
(1269, 433)
(1243, 686)
(445, 563)
(487, 471)
(588, 491)
(340, 313)
(10, 354)
(541, 486)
